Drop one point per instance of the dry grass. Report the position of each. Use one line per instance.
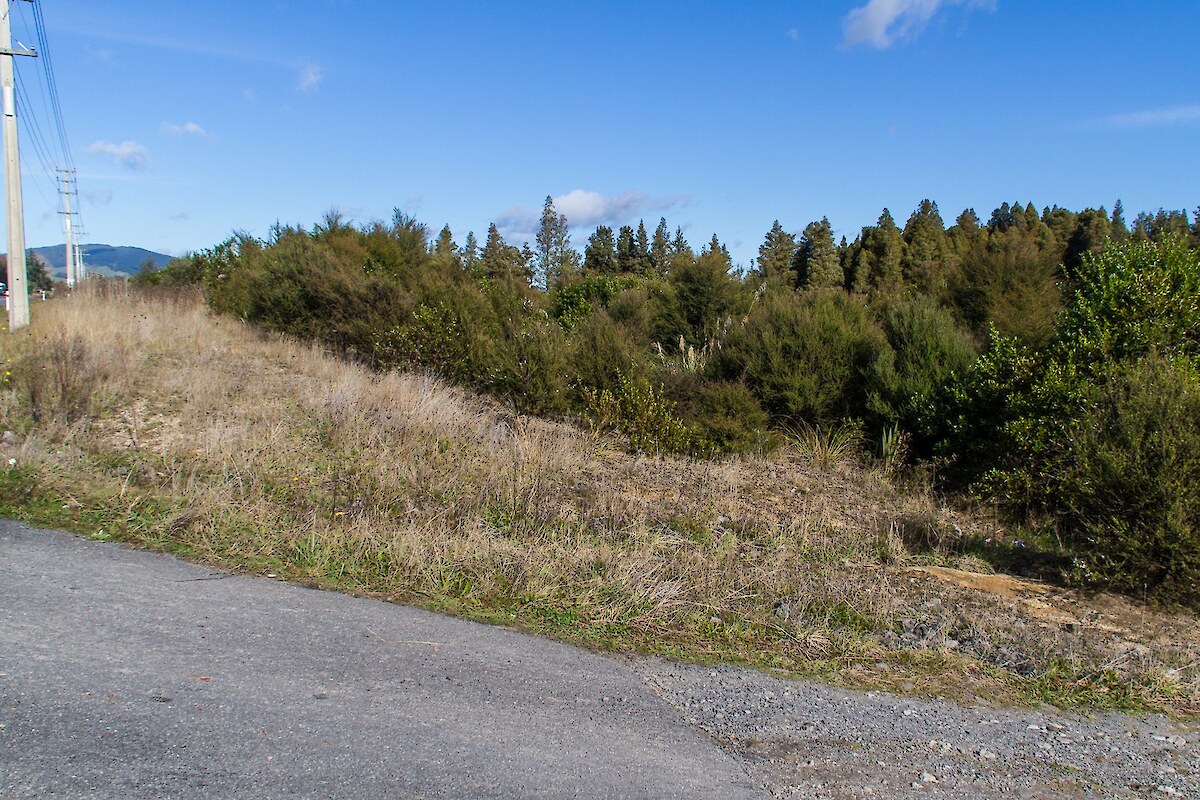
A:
(189, 431)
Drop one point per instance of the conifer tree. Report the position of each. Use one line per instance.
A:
(877, 261)
(1119, 230)
(704, 288)
(500, 260)
(600, 257)
(631, 256)
(680, 246)
(926, 264)
(444, 243)
(660, 248)
(469, 255)
(643, 243)
(816, 261)
(444, 249)
(1092, 232)
(715, 247)
(554, 261)
(775, 256)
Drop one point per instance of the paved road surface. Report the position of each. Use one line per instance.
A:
(127, 674)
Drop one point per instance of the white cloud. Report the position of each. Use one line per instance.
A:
(188, 128)
(1160, 118)
(881, 23)
(128, 153)
(793, 34)
(309, 78)
(585, 210)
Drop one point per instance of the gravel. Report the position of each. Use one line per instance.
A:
(803, 740)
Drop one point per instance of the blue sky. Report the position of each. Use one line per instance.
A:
(188, 120)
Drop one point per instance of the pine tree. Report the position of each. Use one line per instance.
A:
(600, 257)
(1002, 219)
(469, 255)
(1120, 231)
(554, 261)
(704, 288)
(500, 260)
(775, 256)
(660, 248)
(627, 255)
(927, 256)
(1092, 232)
(816, 260)
(877, 263)
(642, 242)
(444, 250)
(715, 247)
(680, 246)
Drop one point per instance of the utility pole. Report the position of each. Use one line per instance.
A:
(72, 272)
(80, 268)
(18, 284)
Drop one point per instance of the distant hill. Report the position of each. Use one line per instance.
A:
(102, 259)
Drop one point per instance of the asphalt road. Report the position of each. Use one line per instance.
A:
(127, 674)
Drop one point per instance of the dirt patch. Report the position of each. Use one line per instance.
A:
(1037, 598)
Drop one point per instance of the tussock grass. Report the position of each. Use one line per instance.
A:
(147, 418)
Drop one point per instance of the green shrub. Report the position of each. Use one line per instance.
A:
(576, 301)
(528, 365)
(1129, 497)
(1096, 436)
(641, 412)
(726, 417)
(433, 339)
(815, 357)
(601, 352)
(930, 348)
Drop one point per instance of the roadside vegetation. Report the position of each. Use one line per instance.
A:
(667, 504)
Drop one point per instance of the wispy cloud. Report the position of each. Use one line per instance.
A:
(793, 34)
(128, 154)
(309, 78)
(1157, 118)
(586, 209)
(94, 55)
(881, 23)
(98, 197)
(187, 128)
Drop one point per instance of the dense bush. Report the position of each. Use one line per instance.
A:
(1128, 498)
(1097, 435)
(930, 349)
(815, 357)
(639, 410)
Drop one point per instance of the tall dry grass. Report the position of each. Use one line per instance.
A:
(254, 450)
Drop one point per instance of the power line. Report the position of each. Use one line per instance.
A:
(52, 165)
(51, 82)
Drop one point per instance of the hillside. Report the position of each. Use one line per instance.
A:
(101, 259)
(149, 419)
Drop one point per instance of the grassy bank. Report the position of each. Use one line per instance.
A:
(147, 419)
